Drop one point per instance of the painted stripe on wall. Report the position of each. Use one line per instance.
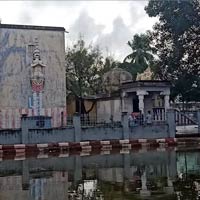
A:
(11, 118)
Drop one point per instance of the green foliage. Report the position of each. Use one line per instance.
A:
(141, 56)
(177, 43)
(82, 65)
(84, 69)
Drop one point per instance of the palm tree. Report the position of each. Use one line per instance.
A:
(142, 53)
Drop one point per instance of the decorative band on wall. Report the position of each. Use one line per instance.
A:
(11, 118)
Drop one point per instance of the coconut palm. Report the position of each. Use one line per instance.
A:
(141, 56)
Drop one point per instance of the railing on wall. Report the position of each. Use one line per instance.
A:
(89, 120)
(184, 118)
(69, 120)
(158, 114)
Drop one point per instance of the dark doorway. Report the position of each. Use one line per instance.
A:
(136, 104)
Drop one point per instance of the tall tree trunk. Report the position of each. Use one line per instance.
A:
(80, 101)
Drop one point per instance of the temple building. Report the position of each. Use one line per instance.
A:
(32, 73)
(142, 95)
(122, 94)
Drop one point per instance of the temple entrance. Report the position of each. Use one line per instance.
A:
(136, 104)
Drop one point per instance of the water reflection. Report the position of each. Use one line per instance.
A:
(145, 175)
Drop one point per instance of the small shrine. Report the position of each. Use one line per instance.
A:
(114, 78)
(145, 94)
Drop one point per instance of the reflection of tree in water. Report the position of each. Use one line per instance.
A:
(85, 190)
(106, 190)
(188, 187)
(129, 189)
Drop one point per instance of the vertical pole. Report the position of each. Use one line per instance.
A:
(77, 127)
(171, 123)
(77, 168)
(198, 120)
(127, 165)
(25, 175)
(125, 125)
(24, 128)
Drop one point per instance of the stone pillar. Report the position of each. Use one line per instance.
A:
(123, 104)
(141, 103)
(171, 123)
(125, 125)
(141, 94)
(24, 128)
(166, 99)
(77, 127)
(167, 106)
(198, 120)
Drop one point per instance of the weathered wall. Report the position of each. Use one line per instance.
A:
(16, 47)
(93, 133)
(149, 132)
(103, 110)
(106, 108)
(49, 136)
(15, 66)
(76, 133)
(10, 137)
(101, 133)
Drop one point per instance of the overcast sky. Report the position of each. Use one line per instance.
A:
(109, 24)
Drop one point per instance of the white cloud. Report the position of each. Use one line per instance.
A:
(108, 23)
(116, 40)
(86, 26)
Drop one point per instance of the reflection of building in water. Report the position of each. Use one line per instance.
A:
(11, 188)
(189, 161)
(40, 188)
(111, 175)
(142, 178)
(50, 188)
(122, 173)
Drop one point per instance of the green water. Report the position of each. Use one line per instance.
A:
(165, 175)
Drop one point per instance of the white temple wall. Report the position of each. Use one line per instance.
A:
(16, 48)
(15, 66)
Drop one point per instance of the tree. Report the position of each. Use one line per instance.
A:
(84, 69)
(141, 56)
(177, 43)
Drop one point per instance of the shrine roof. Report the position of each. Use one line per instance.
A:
(146, 83)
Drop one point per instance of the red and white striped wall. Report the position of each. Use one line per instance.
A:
(88, 148)
(11, 118)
